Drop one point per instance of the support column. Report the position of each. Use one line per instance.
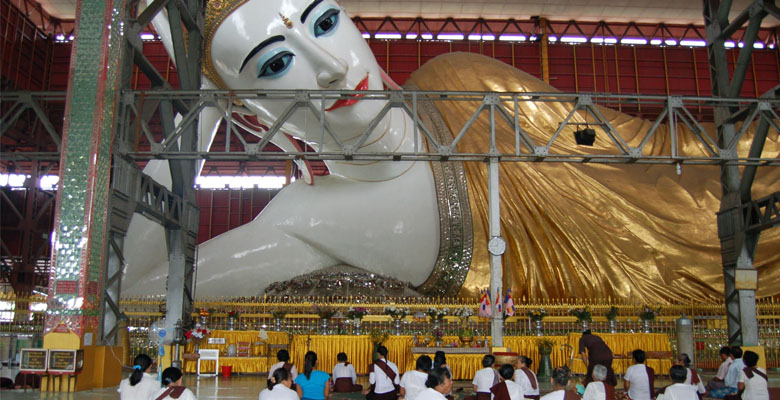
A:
(545, 59)
(496, 247)
(73, 314)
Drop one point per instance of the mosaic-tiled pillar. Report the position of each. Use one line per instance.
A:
(80, 222)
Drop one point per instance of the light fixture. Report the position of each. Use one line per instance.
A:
(585, 137)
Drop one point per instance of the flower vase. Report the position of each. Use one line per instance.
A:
(231, 323)
(545, 364)
(197, 346)
(397, 326)
(324, 326)
(437, 343)
(538, 327)
(612, 328)
(436, 322)
(357, 326)
(585, 325)
(646, 325)
(278, 324)
(203, 320)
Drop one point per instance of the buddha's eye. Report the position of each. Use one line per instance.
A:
(327, 22)
(276, 65)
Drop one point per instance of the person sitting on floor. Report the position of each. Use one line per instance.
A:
(312, 384)
(383, 378)
(278, 388)
(344, 376)
(693, 377)
(171, 380)
(597, 390)
(527, 378)
(639, 379)
(438, 384)
(559, 380)
(440, 360)
(140, 384)
(678, 390)
(484, 379)
(753, 382)
(284, 361)
(413, 382)
(730, 383)
(717, 381)
(507, 389)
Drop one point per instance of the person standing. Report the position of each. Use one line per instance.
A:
(383, 378)
(413, 382)
(597, 353)
(752, 381)
(639, 379)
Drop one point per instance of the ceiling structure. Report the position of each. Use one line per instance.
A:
(667, 11)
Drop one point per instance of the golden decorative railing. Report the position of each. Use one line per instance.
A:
(256, 313)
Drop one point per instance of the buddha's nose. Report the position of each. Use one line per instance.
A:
(332, 71)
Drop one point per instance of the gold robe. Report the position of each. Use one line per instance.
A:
(637, 232)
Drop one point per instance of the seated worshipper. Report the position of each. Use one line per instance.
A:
(278, 388)
(284, 361)
(438, 384)
(344, 376)
(678, 390)
(413, 382)
(559, 380)
(140, 384)
(693, 377)
(753, 382)
(730, 383)
(527, 378)
(171, 380)
(597, 390)
(440, 360)
(717, 381)
(383, 377)
(507, 389)
(484, 379)
(639, 379)
(597, 353)
(312, 384)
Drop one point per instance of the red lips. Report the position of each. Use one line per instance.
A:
(354, 98)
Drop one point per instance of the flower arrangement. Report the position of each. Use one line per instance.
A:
(437, 313)
(233, 314)
(612, 313)
(278, 314)
(582, 313)
(438, 334)
(544, 344)
(648, 314)
(465, 332)
(396, 312)
(197, 333)
(463, 312)
(356, 312)
(324, 312)
(537, 315)
(378, 336)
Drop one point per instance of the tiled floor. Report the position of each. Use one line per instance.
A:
(249, 386)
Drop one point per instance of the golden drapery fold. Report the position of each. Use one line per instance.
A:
(637, 232)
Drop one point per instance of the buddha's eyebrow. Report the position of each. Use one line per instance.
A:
(264, 43)
(308, 10)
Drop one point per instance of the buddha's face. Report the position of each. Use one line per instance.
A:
(298, 44)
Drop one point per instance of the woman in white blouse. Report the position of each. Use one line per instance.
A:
(140, 384)
(439, 383)
(279, 387)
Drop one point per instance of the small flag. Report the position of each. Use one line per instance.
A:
(498, 301)
(484, 304)
(509, 304)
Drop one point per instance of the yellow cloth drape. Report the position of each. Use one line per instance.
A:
(623, 343)
(527, 346)
(260, 346)
(590, 231)
(246, 365)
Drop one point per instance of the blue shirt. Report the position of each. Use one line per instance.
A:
(314, 387)
(733, 374)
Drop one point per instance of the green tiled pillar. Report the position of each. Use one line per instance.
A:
(80, 224)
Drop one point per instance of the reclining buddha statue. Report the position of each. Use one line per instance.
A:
(637, 232)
